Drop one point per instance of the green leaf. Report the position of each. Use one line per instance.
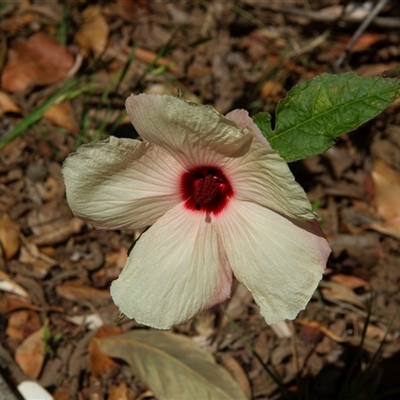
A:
(319, 110)
(172, 365)
(263, 121)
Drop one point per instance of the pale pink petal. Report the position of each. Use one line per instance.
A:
(121, 183)
(280, 260)
(186, 129)
(262, 176)
(243, 120)
(175, 271)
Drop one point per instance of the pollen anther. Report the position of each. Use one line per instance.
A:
(205, 189)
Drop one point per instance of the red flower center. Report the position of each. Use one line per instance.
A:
(205, 189)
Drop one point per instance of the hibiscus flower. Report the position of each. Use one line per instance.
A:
(218, 200)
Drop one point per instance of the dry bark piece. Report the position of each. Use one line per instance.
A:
(40, 60)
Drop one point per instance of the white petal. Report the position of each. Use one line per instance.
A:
(263, 177)
(175, 271)
(121, 183)
(279, 260)
(184, 127)
(243, 120)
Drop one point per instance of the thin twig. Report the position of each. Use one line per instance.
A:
(375, 11)
(385, 22)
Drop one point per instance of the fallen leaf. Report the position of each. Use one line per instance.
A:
(271, 90)
(235, 369)
(387, 194)
(61, 115)
(238, 303)
(172, 364)
(62, 233)
(148, 57)
(74, 290)
(98, 361)
(365, 41)
(22, 323)
(387, 190)
(7, 104)
(93, 33)
(30, 354)
(9, 303)
(376, 333)
(336, 292)
(131, 10)
(9, 236)
(350, 281)
(8, 285)
(119, 392)
(38, 61)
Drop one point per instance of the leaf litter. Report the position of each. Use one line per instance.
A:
(55, 270)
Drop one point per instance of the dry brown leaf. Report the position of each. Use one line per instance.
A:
(131, 10)
(9, 236)
(350, 281)
(387, 190)
(235, 369)
(22, 323)
(9, 303)
(119, 392)
(8, 285)
(148, 57)
(7, 104)
(238, 303)
(93, 34)
(178, 365)
(74, 290)
(30, 354)
(98, 361)
(376, 333)
(336, 292)
(366, 41)
(271, 90)
(38, 61)
(61, 115)
(387, 195)
(63, 232)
